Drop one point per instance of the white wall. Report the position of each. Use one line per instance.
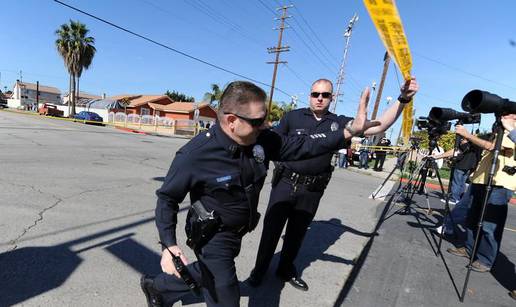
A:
(13, 103)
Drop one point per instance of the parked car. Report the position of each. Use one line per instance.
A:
(50, 110)
(89, 117)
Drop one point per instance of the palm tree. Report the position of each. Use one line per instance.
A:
(214, 95)
(77, 51)
(63, 47)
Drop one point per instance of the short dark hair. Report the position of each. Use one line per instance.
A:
(322, 80)
(239, 93)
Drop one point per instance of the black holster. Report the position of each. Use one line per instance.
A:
(201, 226)
(276, 174)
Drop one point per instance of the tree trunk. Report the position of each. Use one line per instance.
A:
(69, 93)
(77, 96)
(73, 95)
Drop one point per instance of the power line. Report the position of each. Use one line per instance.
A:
(296, 75)
(313, 43)
(317, 46)
(221, 19)
(464, 71)
(313, 32)
(170, 48)
(267, 7)
(166, 11)
(302, 40)
(312, 51)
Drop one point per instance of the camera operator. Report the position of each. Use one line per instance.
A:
(503, 188)
(465, 161)
(509, 123)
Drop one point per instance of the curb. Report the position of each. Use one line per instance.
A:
(131, 130)
(434, 186)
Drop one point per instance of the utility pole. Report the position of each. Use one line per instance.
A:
(386, 61)
(37, 95)
(340, 77)
(278, 49)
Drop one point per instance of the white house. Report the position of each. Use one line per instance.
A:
(25, 95)
(83, 96)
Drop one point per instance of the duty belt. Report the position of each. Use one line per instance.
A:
(297, 178)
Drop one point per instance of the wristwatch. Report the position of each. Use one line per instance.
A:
(404, 100)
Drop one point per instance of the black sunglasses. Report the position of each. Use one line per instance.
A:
(255, 122)
(324, 94)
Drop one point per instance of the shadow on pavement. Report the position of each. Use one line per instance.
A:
(503, 272)
(30, 271)
(319, 237)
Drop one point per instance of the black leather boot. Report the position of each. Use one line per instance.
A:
(153, 297)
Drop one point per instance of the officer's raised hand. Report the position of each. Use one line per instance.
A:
(409, 89)
(363, 126)
(360, 123)
(167, 265)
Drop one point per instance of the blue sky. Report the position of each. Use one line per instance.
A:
(456, 46)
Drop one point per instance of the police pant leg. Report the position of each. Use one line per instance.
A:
(218, 258)
(299, 220)
(278, 210)
(376, 162)
(382, 161)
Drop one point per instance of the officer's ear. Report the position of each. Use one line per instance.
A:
(230, 119)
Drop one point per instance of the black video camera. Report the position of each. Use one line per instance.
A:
(478, 101)
(445, 114)
(434, 127)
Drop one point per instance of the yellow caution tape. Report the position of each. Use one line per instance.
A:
(387, 21)
(381, 148)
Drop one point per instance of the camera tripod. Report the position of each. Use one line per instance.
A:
(400, 164)
(416, 184)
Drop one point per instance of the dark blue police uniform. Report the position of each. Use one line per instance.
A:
(297, 189)
(226, 178)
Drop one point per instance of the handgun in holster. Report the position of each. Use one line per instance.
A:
(276, 174)
(201, 226)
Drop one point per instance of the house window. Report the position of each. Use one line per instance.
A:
(145, 111)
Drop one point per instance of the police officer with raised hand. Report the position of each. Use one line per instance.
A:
(224, 168)
(299, 185)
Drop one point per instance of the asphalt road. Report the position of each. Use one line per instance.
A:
(402, 267)
(77, 207)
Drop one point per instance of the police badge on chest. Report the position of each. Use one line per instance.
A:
(334, 126)
(258, 153)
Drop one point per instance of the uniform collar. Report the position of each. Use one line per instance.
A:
(225, 141)
(327, 115)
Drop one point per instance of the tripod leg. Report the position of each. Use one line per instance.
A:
(446, 206)
(477, 237)
(403, 190)
(429, 209)
(373, 196)
(419, 180)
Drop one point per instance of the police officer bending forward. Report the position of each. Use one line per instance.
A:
(224, 168)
